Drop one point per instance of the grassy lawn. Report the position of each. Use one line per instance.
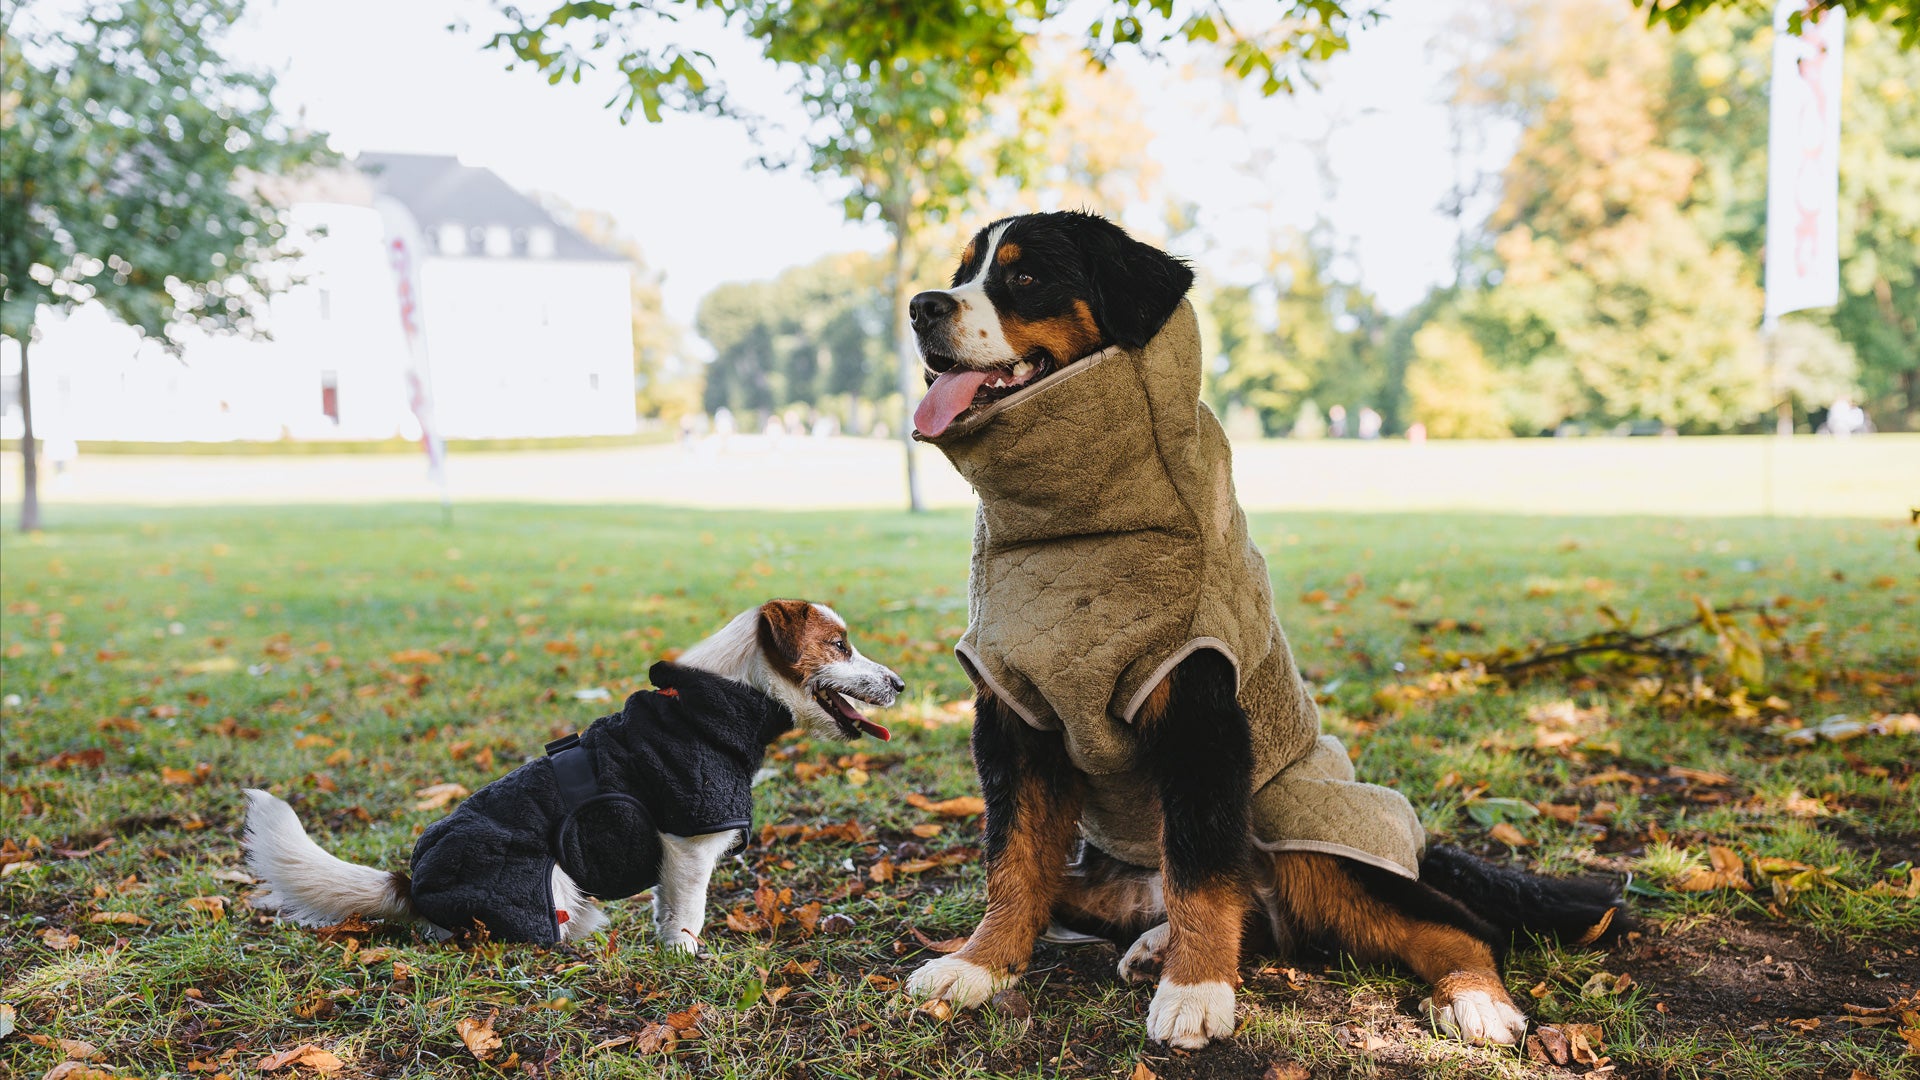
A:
(158, 661)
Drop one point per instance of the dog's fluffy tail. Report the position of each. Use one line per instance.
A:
(308, 885)
(1574, 911)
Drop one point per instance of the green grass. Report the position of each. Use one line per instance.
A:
(200, 651)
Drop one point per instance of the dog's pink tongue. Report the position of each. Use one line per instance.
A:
(947, 398)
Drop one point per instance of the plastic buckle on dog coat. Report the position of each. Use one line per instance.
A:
(572, 770)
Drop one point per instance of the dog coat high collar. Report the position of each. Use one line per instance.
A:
(1109, 546)
(679, 760)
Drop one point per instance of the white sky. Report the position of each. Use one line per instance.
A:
(381, 75)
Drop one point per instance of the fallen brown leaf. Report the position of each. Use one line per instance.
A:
(1508, 835)
(1286, 1070)
(1726, 872)
(73, 1048)
(654, 1038)
(688, 1020)
(122, 918)
(77, 1070)
(215, 906)
(961, 806)
(435, 796)
(306, 1054)
(479, 1036)
(1141, 1072)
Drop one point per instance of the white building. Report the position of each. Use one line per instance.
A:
(528, 329)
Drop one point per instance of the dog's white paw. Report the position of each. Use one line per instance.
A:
(679, 939)
(960, 983)
(1143, 961)
(1477, 1017)
(1186, 1017)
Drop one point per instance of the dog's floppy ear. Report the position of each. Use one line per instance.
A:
(1136, 286)
(781, 625)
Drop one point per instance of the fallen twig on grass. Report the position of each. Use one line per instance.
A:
(1650, 645)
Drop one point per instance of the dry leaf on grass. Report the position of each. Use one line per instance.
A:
(927, 831)
(77, 1070)
(1726, 872)
(1509, 835)
(1286, 1070)
(654, 1038)
(1355, 1037)
(936, 1008)
(1141, 1072)
(479, 1036)
(73, 1048)
(687, 1022)
(215, 906)
(414, 656)
(961, 806)
(436, 796)
(1700, 776)
(122, 918)
(306, 1055)
(947, 946)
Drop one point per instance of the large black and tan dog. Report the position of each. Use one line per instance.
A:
(1037, 299)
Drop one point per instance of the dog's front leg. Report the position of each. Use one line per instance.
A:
(1033, 805)
(1195, 743)
(680, 900)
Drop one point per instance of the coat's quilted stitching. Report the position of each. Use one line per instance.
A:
(1108, 538)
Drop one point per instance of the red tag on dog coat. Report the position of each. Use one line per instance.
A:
(668, 692)
(560, 914)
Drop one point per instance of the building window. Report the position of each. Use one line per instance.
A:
(499, 241)
(540, 242)
(453, 239)
(330, 396)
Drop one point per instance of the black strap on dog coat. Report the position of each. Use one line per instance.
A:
(679, 760)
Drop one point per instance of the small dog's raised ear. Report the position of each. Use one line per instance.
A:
(782, 623)
(1136, 286)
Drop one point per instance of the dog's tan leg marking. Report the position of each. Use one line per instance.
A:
(1024, 880)
(1200, 963)
(1469, 1000)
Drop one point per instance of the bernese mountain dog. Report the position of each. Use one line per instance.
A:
(1032, 297)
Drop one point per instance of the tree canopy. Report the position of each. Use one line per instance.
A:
(135, 166)
(134, 172)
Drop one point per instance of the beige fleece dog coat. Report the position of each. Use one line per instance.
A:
(1109, 546)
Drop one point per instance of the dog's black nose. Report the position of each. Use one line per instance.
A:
(930, 307)
(896, 682)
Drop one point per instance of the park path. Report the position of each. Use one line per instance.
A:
(1877, 477)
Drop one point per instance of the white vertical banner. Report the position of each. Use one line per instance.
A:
(404, 252)
(1803, 162)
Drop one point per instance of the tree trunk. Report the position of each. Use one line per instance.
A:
(29, 453)
(909, 355)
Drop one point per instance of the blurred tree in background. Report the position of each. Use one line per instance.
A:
(136, 169)
(896, 91)
(1619, 278)
(816, 336)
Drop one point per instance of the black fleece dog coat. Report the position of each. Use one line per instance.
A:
(678, 760)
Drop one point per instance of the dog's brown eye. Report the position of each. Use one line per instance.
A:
(1020, 279)
(841, 644)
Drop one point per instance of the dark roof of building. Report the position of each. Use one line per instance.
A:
(440, 191)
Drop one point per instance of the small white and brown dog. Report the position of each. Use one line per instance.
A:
(669, 779)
